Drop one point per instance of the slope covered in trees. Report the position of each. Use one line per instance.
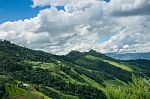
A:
(32, 74)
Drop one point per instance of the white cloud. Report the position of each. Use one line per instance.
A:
(130, 39)
(129, 7)
(81, 26)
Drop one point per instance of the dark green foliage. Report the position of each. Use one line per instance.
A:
(139, 88)
(2, 91)
(21, 53)
(50, 93)
(141, 66)
(83, 92)
(44, 78)
(142, 63)
(14, 63)
(99, 65)
(96, 76)
(70, 73)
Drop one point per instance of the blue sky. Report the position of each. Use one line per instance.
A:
(76, 28)
(13, 10)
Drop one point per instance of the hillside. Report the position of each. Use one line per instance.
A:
(30, 74)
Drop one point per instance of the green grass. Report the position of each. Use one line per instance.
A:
(139, 88)
(91, 82)
(68, 78)
(88, 80)
(91, 57)
(119, 65)
(63, 95)
(116, 82)
(19, 93)
(14, 90)
(49, 66)
(41, 94)
(29, 96)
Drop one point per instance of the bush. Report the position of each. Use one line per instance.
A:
(139, 88)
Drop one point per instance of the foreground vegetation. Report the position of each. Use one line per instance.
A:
(139, 88)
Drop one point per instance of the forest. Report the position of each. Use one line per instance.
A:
(32, 74)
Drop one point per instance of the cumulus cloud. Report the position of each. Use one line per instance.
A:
(133, 38)
(81, 26)
(129, 7)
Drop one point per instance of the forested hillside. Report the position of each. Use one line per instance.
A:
(30, 74)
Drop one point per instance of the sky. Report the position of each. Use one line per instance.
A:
(13, 10)
(59, 26)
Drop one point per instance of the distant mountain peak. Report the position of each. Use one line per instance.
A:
(74, 52)
(129, 56)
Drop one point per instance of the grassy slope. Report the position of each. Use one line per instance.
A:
(14, 90)
(17, 92)
(41, 94)
(67, 77)
(62, 94)
(119, 65)
(137, 89)
(53, 67)
(112, 90)
(89, 80)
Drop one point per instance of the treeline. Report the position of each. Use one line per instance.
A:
(21, 53)
(45, 78)
(3, 92)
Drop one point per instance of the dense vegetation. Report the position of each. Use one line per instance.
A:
(32, 74)
(138, 89)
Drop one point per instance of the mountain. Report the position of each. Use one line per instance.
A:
(129, 56)
(30, 74)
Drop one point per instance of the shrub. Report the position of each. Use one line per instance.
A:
(139, 88)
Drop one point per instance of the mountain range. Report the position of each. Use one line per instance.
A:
(30, 74)
(129, 56)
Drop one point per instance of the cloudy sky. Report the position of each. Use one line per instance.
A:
(59, 26)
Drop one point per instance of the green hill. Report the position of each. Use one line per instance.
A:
(26, 74)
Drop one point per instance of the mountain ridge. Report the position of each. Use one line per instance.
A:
(77, 75)
(129, 56)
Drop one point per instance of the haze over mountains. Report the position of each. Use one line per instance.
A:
(129, 56)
